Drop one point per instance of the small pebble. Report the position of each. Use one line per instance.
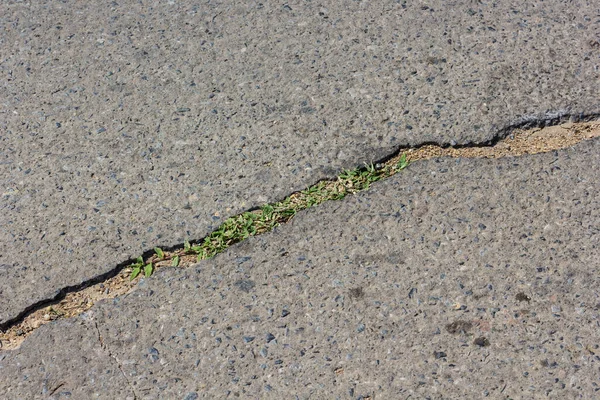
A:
(522, 297)
(459, 327)
(556, 309)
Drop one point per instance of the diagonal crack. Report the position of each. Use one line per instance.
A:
(107, 350)
(512, 141)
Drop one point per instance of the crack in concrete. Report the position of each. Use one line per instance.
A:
(512, 141)
(107, 350)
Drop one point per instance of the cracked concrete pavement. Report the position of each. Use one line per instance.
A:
(125, 126)
(129, 125)
(461, 278)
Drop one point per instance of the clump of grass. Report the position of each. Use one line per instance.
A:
(251, 223)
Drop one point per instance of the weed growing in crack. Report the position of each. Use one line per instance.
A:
(252, 223)
(136, 267)
(140, 266)
(78, 301)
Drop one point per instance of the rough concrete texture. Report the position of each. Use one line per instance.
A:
(455, 279)
(128, 125)
(72, 362)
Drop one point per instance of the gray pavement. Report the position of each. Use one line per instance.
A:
(127, 125)
(457, 278)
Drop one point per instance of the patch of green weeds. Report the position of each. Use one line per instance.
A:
(251, 223)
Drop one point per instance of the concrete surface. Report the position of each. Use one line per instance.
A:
(127, 125)
(458, 278)
(67, 366)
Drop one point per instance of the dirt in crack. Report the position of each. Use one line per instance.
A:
(519, 142)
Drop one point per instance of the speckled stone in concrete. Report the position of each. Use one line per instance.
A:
(70, 362)
(458, 278)
(127, 125)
